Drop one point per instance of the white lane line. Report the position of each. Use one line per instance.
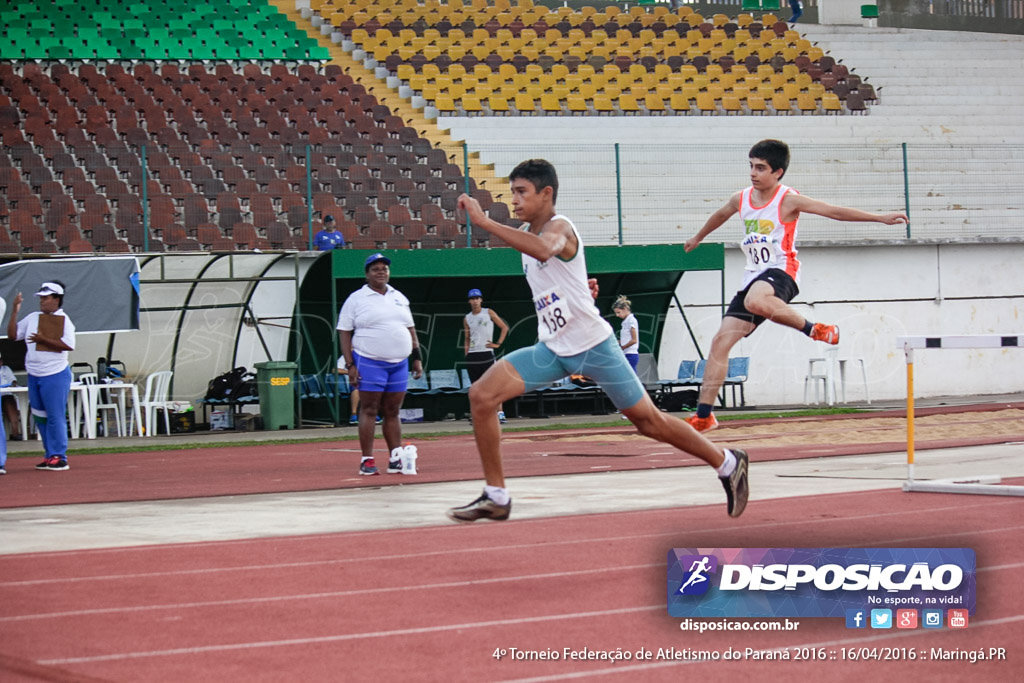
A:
(366, 591)
(345, 636)
(332, 594)
(521, 546)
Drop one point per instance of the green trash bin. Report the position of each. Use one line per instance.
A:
(276, 380)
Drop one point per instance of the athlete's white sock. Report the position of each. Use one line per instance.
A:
(366, 457)
(728, 465)
(498, 494)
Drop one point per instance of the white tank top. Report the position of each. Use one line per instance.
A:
(481, 330)
(768, 242)
(568, 322)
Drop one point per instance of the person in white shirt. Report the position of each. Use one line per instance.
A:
(9, 402)
(478, 338)
(49, 374)
(573, 339)
(378, 343)
(629, 334)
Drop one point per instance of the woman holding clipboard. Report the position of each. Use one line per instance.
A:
(49, 335)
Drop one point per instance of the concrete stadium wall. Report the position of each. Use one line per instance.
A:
(875, 292)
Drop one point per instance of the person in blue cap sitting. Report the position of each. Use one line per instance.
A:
(478, 335)
(328, 238)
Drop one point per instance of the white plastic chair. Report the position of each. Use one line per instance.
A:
(825, 374)
(93, 408)
(863, 374)
(155, 399)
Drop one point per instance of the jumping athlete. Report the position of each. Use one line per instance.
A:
(573, 339)
(770, 212)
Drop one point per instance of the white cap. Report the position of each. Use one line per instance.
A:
(50, 288)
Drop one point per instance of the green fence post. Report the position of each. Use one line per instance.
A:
(618, 190)
(309, 198)
(145, 202)
(465, 175)
(906, 188)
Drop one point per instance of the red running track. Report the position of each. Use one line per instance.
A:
(433, 604)
(273, 468)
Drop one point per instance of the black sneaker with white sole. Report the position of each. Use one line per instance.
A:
(481, 508)
(395, 466)
(736, 485)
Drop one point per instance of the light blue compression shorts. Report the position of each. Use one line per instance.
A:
(604, 363)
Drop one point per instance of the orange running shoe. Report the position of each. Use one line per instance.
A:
(825, 333)
(703, 424)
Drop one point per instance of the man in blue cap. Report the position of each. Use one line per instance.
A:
(478, 333)
(328, 238)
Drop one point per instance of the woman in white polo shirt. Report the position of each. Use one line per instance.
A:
(49, 335)
(378, 342)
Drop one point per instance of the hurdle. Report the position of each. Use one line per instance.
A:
(983, 485)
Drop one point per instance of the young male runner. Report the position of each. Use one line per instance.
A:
(574, 339)
(770, 212)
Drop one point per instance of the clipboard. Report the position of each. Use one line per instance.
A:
(52, 327)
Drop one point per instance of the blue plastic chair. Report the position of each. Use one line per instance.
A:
(444, 381)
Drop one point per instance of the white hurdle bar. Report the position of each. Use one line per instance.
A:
(985, 485)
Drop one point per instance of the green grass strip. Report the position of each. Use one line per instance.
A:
(553, 426)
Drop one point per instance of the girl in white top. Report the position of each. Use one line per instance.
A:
(49, 375)
(573, 339)
(629, 333)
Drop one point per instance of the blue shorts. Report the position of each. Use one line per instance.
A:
(634, 360)
(376, 375)
(604, 363)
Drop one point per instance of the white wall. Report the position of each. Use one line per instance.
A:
(841, 11)
(875, 293)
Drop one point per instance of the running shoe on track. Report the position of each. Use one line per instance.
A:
(703, 424)
(53, 463)
(395, 466)
(368, 468)
(736, 485)
(481, 508)
(825, 333)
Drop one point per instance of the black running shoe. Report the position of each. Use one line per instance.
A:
(736, 485)
(45, 464)
(395, 466)
(481, 508)
(368, 468)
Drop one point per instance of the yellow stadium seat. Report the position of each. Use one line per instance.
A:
(756, 104)
(805, 102)
(654, 103)
(603, 104)
(706, 103)
(550, 104)
(816, 90)
(525, 104)
(781, 104)
(803, 80)
(791, 91)
(831, 103)
(471, 104)
(679, 103)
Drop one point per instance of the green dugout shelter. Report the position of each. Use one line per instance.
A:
(436, 283)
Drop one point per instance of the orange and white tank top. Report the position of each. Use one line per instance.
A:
(767, 241)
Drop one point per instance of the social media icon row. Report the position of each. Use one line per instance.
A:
(905, 618)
